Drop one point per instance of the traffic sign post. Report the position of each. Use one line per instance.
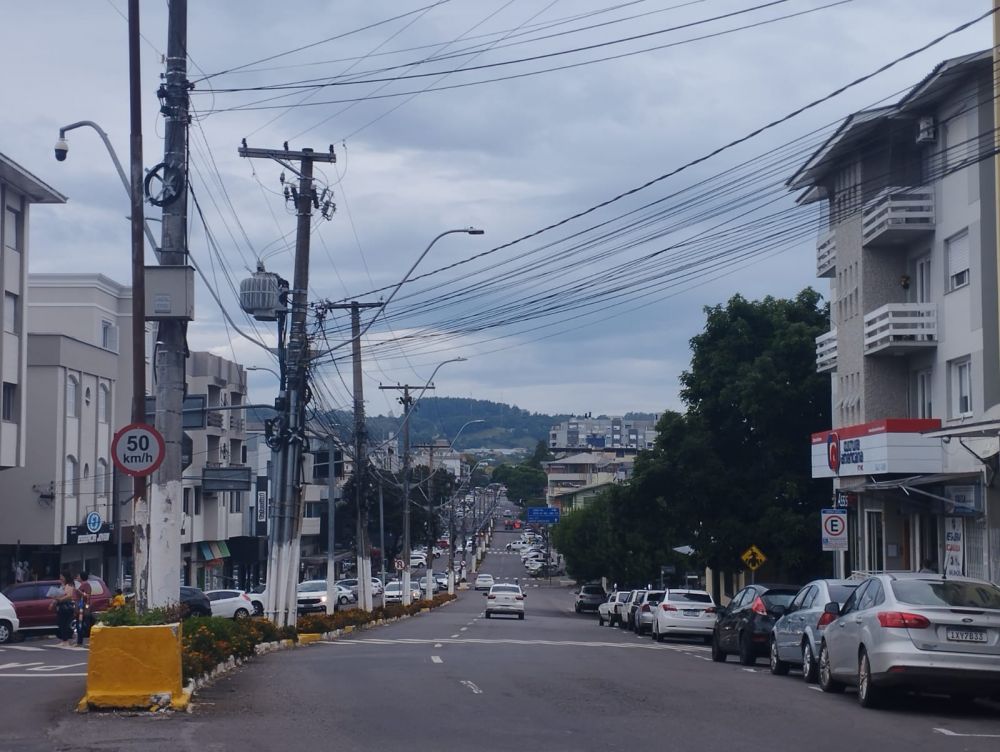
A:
(543, 515)
(754, 558)
(137, 449)
(400, 565)
(834, 529)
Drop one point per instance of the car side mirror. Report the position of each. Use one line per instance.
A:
(832, 608)
(779, 610)
(721, 610)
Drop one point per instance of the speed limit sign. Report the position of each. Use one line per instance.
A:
(137, 449)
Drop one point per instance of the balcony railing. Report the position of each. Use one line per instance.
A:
(826, 351)
(897, 215)
(826, 254)
(236, 423)
(896, 328)
(213, 419)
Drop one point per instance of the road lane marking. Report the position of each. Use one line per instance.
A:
(475, 690)
(4, 666)
(456, 640)
(28, 648)
(750, 670)
(436, 659)
(946, 732)
(454, 636)
(56, 668)
(815, 688)
(36, 676)
(437, 644)
(463, 629)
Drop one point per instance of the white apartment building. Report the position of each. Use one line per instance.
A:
(909, 247)
(572, 475)
(604, 432)
(19, 189)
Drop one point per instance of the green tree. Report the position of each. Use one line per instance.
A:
(522, 481)
(540, 455)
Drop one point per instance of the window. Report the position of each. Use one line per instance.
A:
(71, 481)
(852, 601)
(187, 501)
(961, 388)
(197, 500)
(11, 321)
(101, 479)
(72, 397)
(103, 404)
(922, 281)
(875, 538)
(9, 402)
(109, 336)
(923, 407)
(12, 229)
(957, 254)
(872, 596)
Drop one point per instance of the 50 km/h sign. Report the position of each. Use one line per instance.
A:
(137, 449)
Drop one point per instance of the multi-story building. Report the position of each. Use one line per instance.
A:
(604, 432)
(572, 475)
(19, 189)
(909, 246)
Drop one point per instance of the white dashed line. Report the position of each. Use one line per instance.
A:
(475, 690)
(463, 629)
(817, 689)
(947, 732)
(453, 637)
(750, 670)
(436, 659)
(437, 644)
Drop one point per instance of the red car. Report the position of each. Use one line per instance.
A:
(33, 606)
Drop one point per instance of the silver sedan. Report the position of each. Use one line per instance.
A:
(914, 631)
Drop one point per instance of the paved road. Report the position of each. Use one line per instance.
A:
(452, 680)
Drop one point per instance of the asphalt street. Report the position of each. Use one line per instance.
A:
(453, 680)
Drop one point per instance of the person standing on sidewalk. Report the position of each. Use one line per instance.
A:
(63, 602)
(84, 619)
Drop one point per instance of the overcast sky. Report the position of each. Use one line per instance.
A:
(510, 156)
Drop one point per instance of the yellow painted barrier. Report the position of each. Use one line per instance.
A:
(135, 667)
(305, 639)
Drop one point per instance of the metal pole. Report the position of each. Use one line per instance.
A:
(160, 578)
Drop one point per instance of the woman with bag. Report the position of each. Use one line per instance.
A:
(63, 601)
(84, 619)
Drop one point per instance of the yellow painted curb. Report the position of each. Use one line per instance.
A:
(306, 639)
(135, 667)
(348, 629)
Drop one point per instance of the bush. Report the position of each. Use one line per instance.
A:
(355, 617)
(127, 616)
(210, 640)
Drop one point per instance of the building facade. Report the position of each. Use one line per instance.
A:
(571, 476)
(604, 432)
(908, 243)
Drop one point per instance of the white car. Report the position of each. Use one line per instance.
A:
(311, 596)
(394, 592)
(352, 585)
(484, 581)
(418, 560)
(8, 620)
(610, 611)
(230, 604)
(504, 598)
(684, 612)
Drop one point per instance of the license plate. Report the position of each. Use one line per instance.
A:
(966, 635)
(691, 612)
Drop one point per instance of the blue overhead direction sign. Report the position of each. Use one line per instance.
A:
(544, 515)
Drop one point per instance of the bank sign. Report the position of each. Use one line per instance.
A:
(895, 445)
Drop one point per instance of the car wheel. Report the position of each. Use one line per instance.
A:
(6, 633)
(521, 617)
(487, 614)
(718, 655)
(826, 681)
(869, 695)
(778, 666)
(343, 600)
(810, 671)
(576, 608)
(747, 655)
(241, 613)
(258, 608)
(600, 619)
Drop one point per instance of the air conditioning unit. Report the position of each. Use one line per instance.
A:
(926, 130)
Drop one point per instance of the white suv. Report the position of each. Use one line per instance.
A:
(8, 620)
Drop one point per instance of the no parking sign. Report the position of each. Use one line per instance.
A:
(834, 529)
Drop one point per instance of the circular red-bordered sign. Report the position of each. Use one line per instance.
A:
(138, 449)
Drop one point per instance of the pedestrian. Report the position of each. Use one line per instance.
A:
(119, 599)
(84, 618)
(928, 566)
(62, 596)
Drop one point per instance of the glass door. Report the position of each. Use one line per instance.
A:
(874, 541)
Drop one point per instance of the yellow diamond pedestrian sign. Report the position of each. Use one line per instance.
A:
(754, 558)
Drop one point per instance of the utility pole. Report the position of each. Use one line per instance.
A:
(283, 548)
(158, 545)
(428, 573)
(407, 402)
(331, 558)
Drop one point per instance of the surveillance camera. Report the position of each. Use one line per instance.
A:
(62, 149)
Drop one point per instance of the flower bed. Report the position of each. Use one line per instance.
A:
(210, 640)
(355, 617)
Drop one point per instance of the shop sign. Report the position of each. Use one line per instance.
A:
(80, 534)
(954, 546)
(894, 445)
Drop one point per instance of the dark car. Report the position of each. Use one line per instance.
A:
(744, 626)
(34, 607)
(589, 598)
(196, 602)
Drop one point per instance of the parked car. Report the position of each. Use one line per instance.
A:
(628, 610)
(483, 581)
(435, 585)
(394, 592)
(504, 598)
(352, 585)
(194, 600)
(589, 598)
(231, 604)
(311, 596)
(795, 638)
(684, 613)
(642, 620)
(914, 631)
(609, 610)
(418, 560)
(744, 626)
(9, 622)
(32, 603)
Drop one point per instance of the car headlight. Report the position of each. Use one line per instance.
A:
(322, 599)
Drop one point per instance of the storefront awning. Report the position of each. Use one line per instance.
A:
(982, 428)
(961, 492)
(211, 550)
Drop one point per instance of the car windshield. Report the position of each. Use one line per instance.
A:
(689, 598)
(589, 590)
(840, 593)
(654, 596)
(312, 587)
(947, 593)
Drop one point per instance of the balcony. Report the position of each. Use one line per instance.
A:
(236, 423)
(213, 419)
(826, 254)
(897, 216)
(899, 328)
(826, 351)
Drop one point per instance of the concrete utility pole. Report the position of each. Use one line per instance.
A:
(283, 548)
(158, 546)
(363, 546)
(331, 514)
(407, 402)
